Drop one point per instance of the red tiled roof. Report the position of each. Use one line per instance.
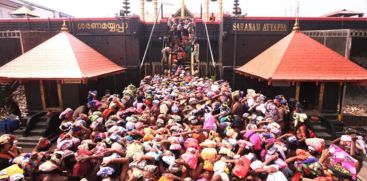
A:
(61, 57)
(298, 57)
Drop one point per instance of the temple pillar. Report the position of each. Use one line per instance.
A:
(220, 12)
(142, 10)
(155, 3)
(207, 10)
(182, 8)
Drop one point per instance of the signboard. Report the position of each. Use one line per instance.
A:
(265, 27)
(107, 26)
(260, 27)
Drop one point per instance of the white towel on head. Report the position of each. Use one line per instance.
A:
(276, 176)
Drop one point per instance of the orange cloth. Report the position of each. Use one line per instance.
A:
(302, 154)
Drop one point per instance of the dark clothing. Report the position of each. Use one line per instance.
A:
(4, 162)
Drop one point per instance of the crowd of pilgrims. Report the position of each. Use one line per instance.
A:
(181, 44)
(181, 127)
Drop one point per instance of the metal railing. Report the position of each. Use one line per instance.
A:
(150, 37)
(209, 44)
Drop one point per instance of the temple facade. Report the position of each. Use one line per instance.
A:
(233, 42)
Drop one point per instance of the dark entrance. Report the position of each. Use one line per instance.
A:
(51, 99)
(309, 95)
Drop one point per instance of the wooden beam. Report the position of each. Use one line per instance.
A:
(321, 97)
(192, 63)
(43, 98)
(61, 103)
(341, 101)
(298, 89)
(21, 43)
(42, 95)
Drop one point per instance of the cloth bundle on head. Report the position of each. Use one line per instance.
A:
(220, 167)
(105, 171)
(65, 144)
(250, 93)
(93, 93)
(209, 154)
(236, 95)
(99, 137)
(346, 138)
(209, 122)
(94, 104)
(191, 143)
(302, 154)
(190, 159)
(241, 168)
(299, 118)
(48, 166)
(17, 177)
(168, 158)
(317, 144)
(226, 151)
(254, 138)
(66, 111)
(174, 108)
(133, 149)
(261, 108)
(4, 139)
(193, 120)
(95, 116)
(163, 109)
(139, 125)
(256, 164)
(177, 118)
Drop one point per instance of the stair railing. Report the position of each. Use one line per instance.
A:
(150, 38)
(31, 121)
(52, 126)
(209, 44)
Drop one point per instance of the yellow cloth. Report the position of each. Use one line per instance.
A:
(11, 170)
(208, 165)
(209, 153)
(164, 178)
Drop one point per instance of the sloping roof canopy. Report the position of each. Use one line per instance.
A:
(62, 57)
(298, 57)
(344, 13)
(24, 11)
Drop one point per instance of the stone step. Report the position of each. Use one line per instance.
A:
(37, 132)
(40, 124)
(339, 133)
(26, 144)
(324, 135)
(339, 129)
(319, 128)
(19, 132)
(29, 139)
(328, 142)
